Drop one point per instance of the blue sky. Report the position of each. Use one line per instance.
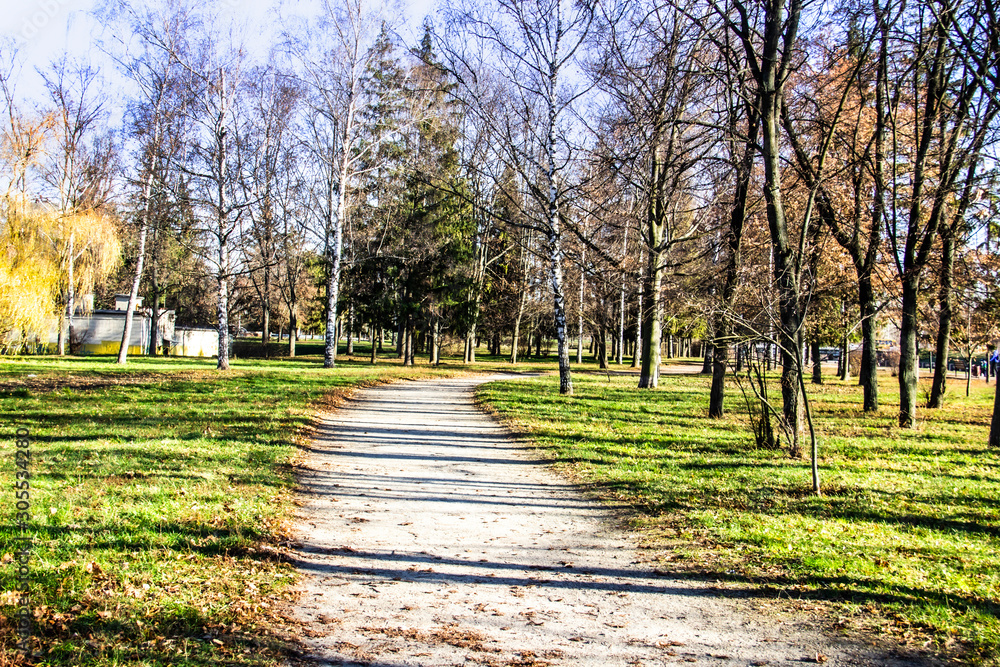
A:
(42, 30)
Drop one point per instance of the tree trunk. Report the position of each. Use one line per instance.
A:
(406, 342)
(515, 339)
(995, 422)
(154, 310)
(400, 335)
(375, 346)
(133, 296)
(787, 282)
(265, 305)
(579, 315)
(868, 373)
(649, 373)
(133, 299)
(817, 364)
(330, 338)
(470, 344)
(555, 247)
(944, 322)
(602, 345)
(637, 346)
(71, 299)
(222, 280)
(709, 351)
(720, 359)
(436, 341)
(908, 355)
(350, 328)
(845, 369)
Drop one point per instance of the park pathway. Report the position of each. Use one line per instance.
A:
(428, 536)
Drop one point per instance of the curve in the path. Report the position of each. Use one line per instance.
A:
(430, 537)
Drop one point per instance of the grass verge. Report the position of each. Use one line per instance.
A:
(904, 539)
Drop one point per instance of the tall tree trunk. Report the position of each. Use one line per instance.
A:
(652, 321)
(844, 363)
(720, 359)
(516, 338)
(637, 346)
(994, 440)
(350, 329)
(619, 350)
(436, 341)
(908, 354)
(556, 275)
(133, 298)
(406, 343)
(154, 299)
(868, 373)
(944, 320)
(786, 279)
(71, 298)
(222, 308)
(265, 306)
(554, 239)
(817, 377)
(470, 343)
(579, 313)
(602, 344)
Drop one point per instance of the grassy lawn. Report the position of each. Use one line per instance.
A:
(162, 493)
(905, 539)
(159, 495)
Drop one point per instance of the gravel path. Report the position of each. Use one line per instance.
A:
(429, 537)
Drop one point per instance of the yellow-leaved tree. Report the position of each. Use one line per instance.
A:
(28, 277)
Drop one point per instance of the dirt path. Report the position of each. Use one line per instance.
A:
(430, 538)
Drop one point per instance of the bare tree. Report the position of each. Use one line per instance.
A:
(945, 89)
(652, 71)
(334, 76)
(267, 149)
(79, 174)
(212, 73)
(769, 34)
(152, 70)
(532, 49)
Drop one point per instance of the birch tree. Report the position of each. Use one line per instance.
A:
(151, 68)
(533, 48)
(334, 76)
(212, 73)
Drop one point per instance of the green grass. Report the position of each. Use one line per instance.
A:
(904, 539)
(160, 493)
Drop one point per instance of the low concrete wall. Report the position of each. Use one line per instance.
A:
(194, 343)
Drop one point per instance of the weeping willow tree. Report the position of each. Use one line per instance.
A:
(28, 278)
(46, 260)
